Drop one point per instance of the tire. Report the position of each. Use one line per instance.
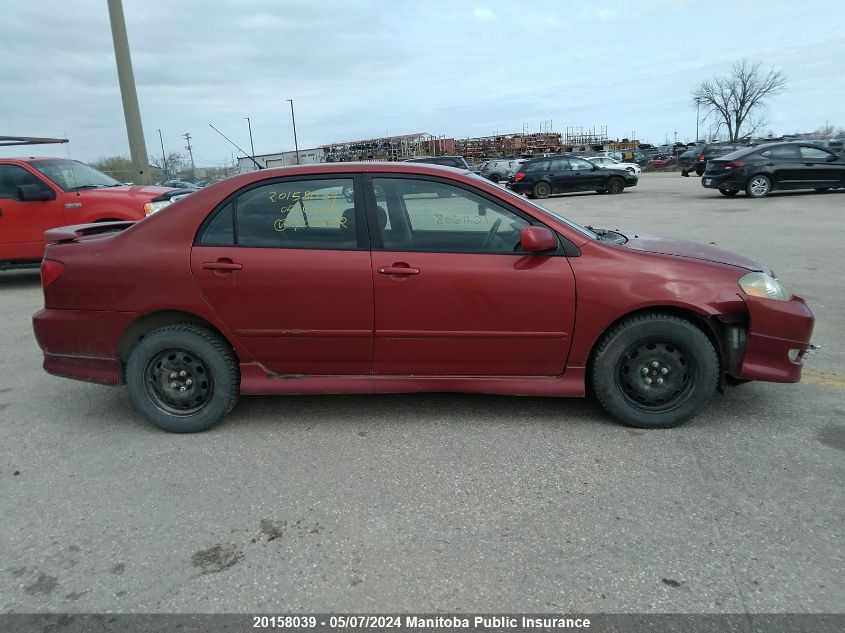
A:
(699, 172)
(630, 170)
(685, 173)
(758, 186)
(615, 185)
(211, 378)
(542, 190)
(728, 192)
(632, 347)
(495, 178)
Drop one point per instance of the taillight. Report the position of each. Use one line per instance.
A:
(518, 176)
(734, 165)
(701, 157)
(50, 271)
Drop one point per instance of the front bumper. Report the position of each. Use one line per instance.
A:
(82, 344)
(776, 329)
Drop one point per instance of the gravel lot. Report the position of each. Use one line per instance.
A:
(445, 502)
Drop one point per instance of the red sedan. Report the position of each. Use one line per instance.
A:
(403, 277)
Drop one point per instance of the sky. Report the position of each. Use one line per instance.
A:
(363, 69)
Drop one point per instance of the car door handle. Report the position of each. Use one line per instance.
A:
(222, 265)
(398, 269)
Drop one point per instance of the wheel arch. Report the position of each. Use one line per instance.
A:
(147, 323)
(717, 328)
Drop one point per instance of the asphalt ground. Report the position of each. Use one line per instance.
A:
(443, 502)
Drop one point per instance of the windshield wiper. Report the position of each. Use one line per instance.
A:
(78, 187)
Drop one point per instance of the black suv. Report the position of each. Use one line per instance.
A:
(446, 161)
(542, 177)
(713, 150)
(759, 170)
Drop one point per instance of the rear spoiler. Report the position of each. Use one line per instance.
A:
(74, 232)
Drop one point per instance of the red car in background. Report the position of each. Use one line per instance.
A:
(429, 279)
(37, 194)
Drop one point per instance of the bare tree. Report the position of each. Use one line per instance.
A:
(731, 100)
(171, 163)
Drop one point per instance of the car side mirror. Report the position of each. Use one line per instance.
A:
(34, 193)
(536, 239)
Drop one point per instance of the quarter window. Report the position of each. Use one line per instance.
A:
(429, 216)
(579, 164)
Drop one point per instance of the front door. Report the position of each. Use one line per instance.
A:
(286, 266)
(22, 224)
(454, 294)
(820, 168)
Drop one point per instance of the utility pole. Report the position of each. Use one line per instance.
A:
(126, 78)
(187, 137)
(163, 157)
(293, 120)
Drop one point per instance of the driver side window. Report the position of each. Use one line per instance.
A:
(430, 216)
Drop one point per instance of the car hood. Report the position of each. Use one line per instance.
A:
(691, 250)
(140, 192)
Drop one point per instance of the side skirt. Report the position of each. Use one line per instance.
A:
(256, 381)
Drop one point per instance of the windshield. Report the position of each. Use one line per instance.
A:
(71, 175)
(555, 215)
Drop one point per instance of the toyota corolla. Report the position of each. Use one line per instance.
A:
(403, 277)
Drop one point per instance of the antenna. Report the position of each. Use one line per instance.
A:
(235, 146)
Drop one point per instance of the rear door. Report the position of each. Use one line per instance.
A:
(784, 166)
(560, 176)
(454, 294)
(587, 177)
(286, 265)
(22, 224)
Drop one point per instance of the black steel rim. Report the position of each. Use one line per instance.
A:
(178, 382)
(656, 375)
(615, 185)
(543, 190)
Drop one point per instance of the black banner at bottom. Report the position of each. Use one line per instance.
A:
(422, 623)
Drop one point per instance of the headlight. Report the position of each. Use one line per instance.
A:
(152, 207)
(763, 285)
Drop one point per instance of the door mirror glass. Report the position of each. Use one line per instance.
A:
(536, 239)
(35, 193)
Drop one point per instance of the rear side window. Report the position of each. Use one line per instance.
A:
(315, 214)
(782, 152)
(536, 167)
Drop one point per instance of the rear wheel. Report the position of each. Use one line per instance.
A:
(655, 371)
(615, 185)
(728, 192)
(759, 186)
(183, 378)
(542, 190)
(699, 172)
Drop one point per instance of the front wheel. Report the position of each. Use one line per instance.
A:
(495, 178)
(728, 192)
(655, 371)
(615, 185)
(758, 187)
(183, 378)
(542, 190)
